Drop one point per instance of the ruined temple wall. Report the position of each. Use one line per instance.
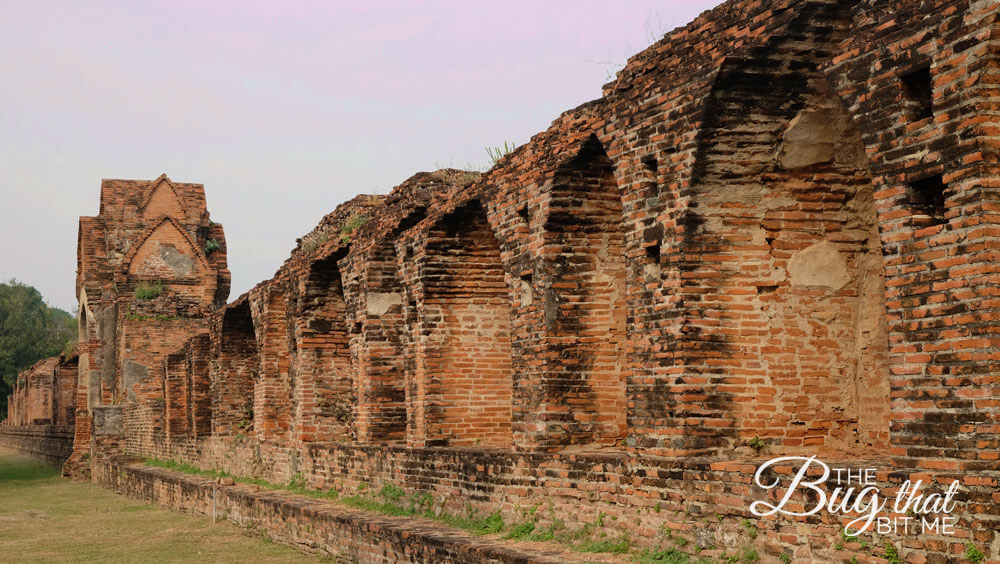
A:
(925, 100)
(730, 331)
(147, 342)
(43, 394)
(64, 392)
(51, 443)
(42, 412)
(39, 383)
(774, 229)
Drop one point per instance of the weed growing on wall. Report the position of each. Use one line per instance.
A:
(149, 290)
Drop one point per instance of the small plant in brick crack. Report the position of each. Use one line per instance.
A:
(973, 554)
(310, 244)
(149, 290)
(351, 226)
(757, 443)
(498, 152)
(749, 555)
(891, 554)
(750, 528)
(212, 245)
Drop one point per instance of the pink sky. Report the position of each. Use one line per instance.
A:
(282, 109)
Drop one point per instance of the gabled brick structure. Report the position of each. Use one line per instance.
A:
(777, 230)
(151, 270)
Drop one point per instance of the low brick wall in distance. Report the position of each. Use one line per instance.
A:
(52, 443)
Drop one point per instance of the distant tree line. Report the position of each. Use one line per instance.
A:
(30, 330)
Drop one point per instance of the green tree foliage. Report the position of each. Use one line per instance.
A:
(30, 330)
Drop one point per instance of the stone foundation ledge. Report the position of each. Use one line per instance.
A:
(318, 527)
(52, 443)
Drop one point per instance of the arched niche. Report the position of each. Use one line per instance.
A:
(584, 383)
(467, 380)
(324, 391)
(782, 292)
(382, 399)
(234, 370)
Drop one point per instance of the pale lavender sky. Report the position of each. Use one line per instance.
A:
(281, 109)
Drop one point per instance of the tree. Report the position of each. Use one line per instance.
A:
(30, 330)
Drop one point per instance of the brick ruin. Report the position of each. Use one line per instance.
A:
(775, 234)
(45, 394)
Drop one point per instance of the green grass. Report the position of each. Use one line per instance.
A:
(352, 225)
(149, 290)
(46, 518)
(521, 531)
(212, 245)
(157, 317)
(390, 500)
(619, 546)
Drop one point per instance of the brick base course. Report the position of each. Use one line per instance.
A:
(317, 527)
(52, 443)
(654, 500)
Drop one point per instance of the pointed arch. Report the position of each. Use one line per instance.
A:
(584, 385)
(161, 200)
(166, 251)
(235, 366)
(324, 391)
(466, 378)
(782, 291)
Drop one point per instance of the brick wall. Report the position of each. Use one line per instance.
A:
(234, 367)
(777, 227)
(463, 359)
(52, 443)
(317, 527)
(44, 393)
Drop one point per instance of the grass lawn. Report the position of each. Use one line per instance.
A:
(45, 518)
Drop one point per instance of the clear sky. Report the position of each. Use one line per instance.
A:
(281, 109)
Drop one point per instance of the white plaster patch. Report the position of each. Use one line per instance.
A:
(380, 302)
(527, 293)
(811, 138)
(819, 265)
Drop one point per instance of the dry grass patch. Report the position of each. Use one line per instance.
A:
(44, 518)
